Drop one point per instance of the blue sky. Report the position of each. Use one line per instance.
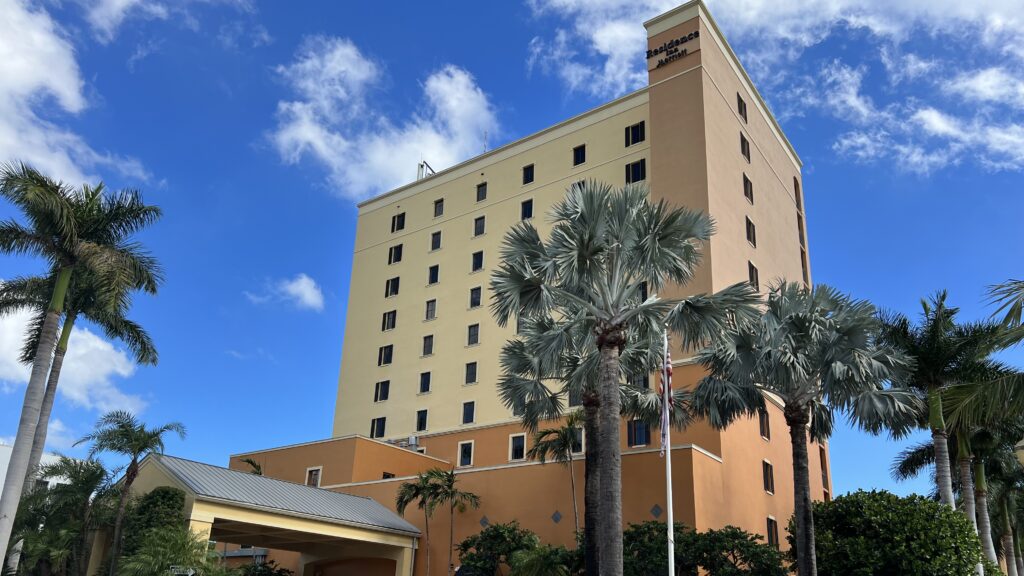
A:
(256, 127)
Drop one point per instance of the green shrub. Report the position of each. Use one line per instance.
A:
(161, 507)
(174, 545)
(868, 533)
(494, 546)
(726, 552)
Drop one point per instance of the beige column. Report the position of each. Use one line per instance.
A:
(201, 528)
(404, 561)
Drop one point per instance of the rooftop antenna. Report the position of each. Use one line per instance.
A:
(423, 170)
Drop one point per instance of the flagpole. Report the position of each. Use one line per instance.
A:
(667, 446)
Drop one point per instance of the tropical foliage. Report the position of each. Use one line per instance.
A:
(172, 545)
(494, 547)
(726, 552)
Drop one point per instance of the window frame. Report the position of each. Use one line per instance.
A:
(636, 166)
(529, 174)
(395, 254)
(631, 433)
(427, 378)
(319, 476)
(426, 419)
(745, 147)
(748, 189)
(753, 275)
(430, 310)
(764, 424)
(387, 350)
(641, 133)
(473, 265)
(524, 207)
(473, 336)
(481, 191)
(381, 391)
(511, 440)
(433, 274)
(375, 432)
(472, 453)
(438, 207)
(472, 406)
(772, 529)
(476, 373)
(390, 283)
(741, 107)
(424, 350)
(479, 226)
(768, 476)
(435, 235)
(751, 231)
(398, 222)
(391, 315)
(478, 293)
(579, 155)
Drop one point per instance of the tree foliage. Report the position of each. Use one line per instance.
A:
(869, 533)
(494, 546)
(172, 545)
(163, 506)
(726, 552)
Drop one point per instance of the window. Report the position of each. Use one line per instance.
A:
(796, 195)
(433, 274)
(468, 412)
(474, 297)
(745, 147)
(768, 473)
(528, 174)
(579, 155)
(748, 189)
(803, 266)
(773, 533)
(435, 240)
(398, 222)
(479, 225)
(635, 134)
(636, 171)
(421, 420)
(431, 311)
(438, 207)
(466, 453)
(751, 233)
(387, 475)
(377, 427)
(381, 390)
(478, 260)
(764, 424)
(752, 276)
(641, 381)
(395, 254)
(643, 291)
(388, 320)
(517, 447)
(638, 433)
(424, 382)
(741, 106)
(384, 355)
(575, 397)
(391, 287)
(800, 228)
(481, 192)
(313, 476)
(428, 345)
(473, 335)
(577, 440)
(470, 372)
(823, 457)
(526, 209)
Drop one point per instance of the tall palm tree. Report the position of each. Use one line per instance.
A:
(815, 350)
(122, 433)
(72, 230)
(1008, 298)
(1006, 478)
(86, 298)
(445, 492)
(423, 492)
(559, 445)
(605, 246)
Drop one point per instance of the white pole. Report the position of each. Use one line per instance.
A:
(668, 467)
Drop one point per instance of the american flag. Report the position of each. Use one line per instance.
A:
(666, 399)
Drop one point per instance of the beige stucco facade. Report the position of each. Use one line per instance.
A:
(698, 108)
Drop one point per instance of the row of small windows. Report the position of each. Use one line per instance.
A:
(392, 285)
(378, 426)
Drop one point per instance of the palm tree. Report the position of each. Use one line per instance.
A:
(445, 492)
(560, 444)
(605, 247)
(423, 493)
(1008, 298)
(543, 560)
(254, 467)
(122, 433)
(816, 351)
(1006, 478)
(63, 227)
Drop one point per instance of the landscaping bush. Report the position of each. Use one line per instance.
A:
(161, 507)
(726, 552)
(869, 533)
(494, 546)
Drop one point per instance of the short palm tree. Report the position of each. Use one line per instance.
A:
(815, 350)
(72, 230)
(559, 445)
(445, 492)
(120, 432)
(422, 491)
(605, 247)
(945, 353)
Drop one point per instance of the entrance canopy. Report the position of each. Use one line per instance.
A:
(324, 526)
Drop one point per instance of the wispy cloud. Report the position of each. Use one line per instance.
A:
(332, 120)
(301, 291)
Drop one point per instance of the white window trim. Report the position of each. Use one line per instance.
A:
(510, 437)
(472, 454)
(376, 391)
(583, 442)
(319, 477)
(769, 463)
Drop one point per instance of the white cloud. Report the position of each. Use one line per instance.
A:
(58, 436)
(301, 291)
(238, 34)
(87, 376)
(106, 16)
(332, 120)
(39, 78)
(988, 85)
(902, 67)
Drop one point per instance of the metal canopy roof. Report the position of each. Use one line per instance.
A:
(251, 491)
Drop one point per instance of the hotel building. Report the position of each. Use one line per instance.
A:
(417, 387)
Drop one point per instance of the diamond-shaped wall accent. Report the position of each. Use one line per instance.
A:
(656, 511)
(556, 517)
(485, 522)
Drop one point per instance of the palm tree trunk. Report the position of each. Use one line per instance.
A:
(591, 483)
(1016, 552)
(39, 441)
(609, 526)
(1008, 551)
(984, 521)
(966, 480)
(451, 543)
(943, 474)
(122, 505)
(806, 561)
(22, 450)
(572, 486)
(426, 536)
